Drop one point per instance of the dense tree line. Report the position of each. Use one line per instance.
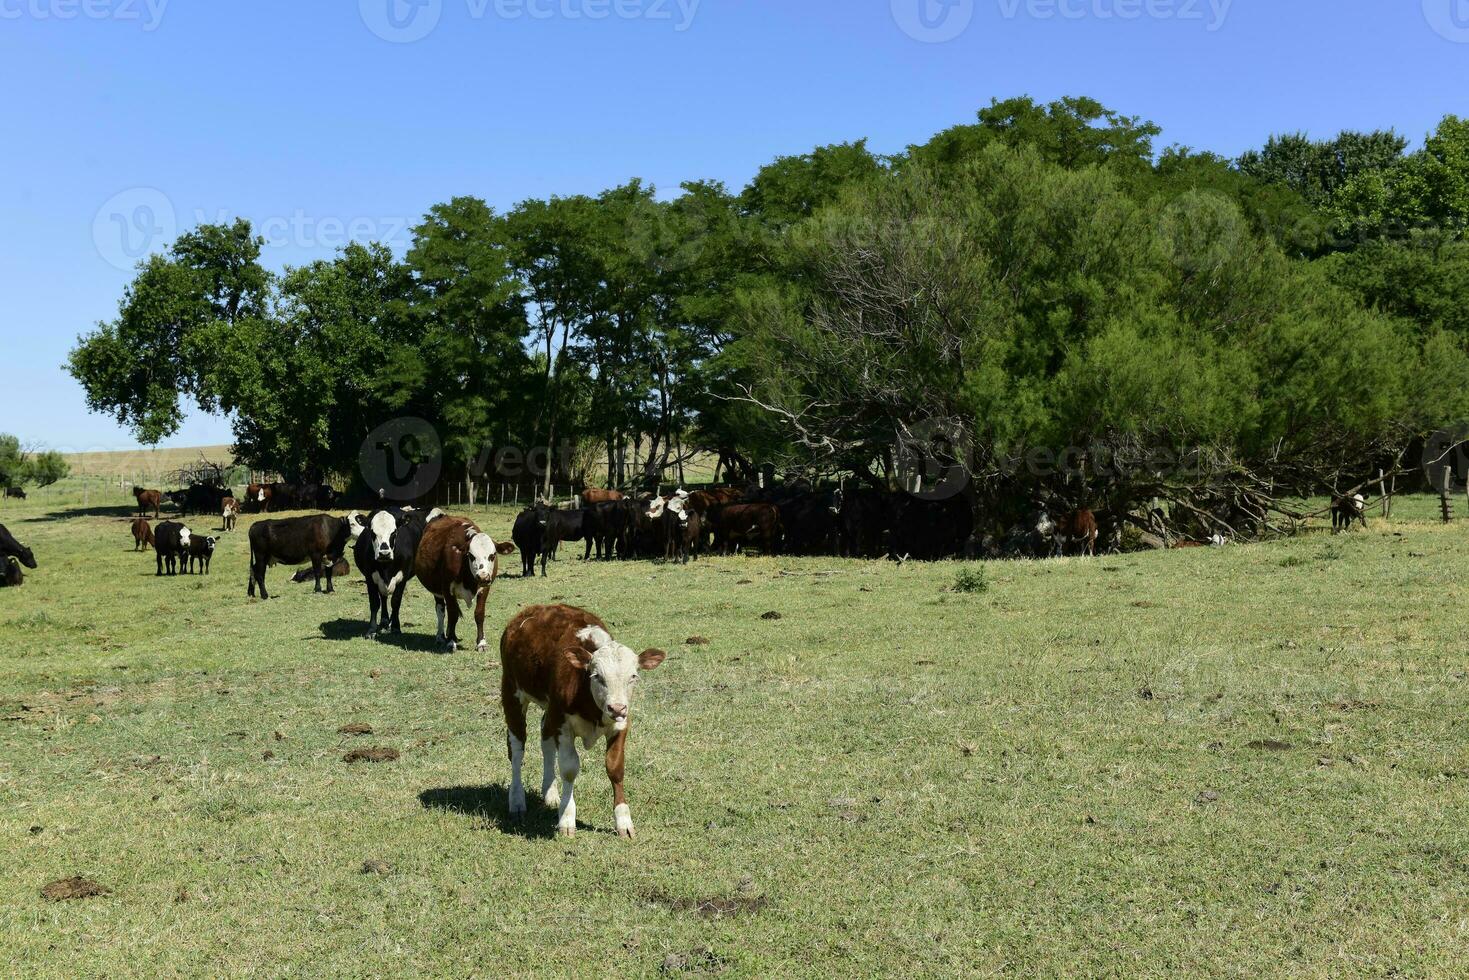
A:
(1043, 278)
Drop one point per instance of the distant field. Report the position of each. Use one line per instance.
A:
(151, 463)
(1249, 761)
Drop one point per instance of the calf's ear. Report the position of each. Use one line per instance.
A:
(505, 548)
(579, 658)
(650, 659)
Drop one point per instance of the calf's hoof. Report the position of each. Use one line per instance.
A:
(623, 818)
(566, 830)
(482, 646)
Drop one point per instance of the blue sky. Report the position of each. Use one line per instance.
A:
(125, 120)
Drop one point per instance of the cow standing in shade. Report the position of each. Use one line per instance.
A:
(1346, 511)
(563, 659)
(148, 499)
(456, 560)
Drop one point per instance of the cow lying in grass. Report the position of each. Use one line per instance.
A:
(563, 659)
(457, 561)
(10, 575)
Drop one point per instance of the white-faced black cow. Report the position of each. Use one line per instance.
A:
(320, 539)
(200, 550)
(384, 554)
(1346, 511)
(563, 659)
(456, 560)
(171, 546)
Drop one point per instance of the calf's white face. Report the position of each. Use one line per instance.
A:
(612, 670)
(184, 535)
(481, 556)
(384, 526)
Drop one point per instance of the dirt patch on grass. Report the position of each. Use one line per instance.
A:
(772, 616)
(371, 755)
(68, 889)
(697, 641)
(1270, 745)
(356, 728)
(712, 908)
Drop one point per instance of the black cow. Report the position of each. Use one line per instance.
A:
(528, 534)
(171, 545)
(607, 528)
(320, 539)
(559, 526)
(201, 550)
(384, 554)
(13, 554)
(200, 498)
(864, 515)
(811, 523)
(929, 530)
(15, 493)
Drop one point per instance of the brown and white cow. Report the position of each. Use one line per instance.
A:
(142, 534)
(229, 511)
(563, 659)
(456, 560)
(1077, 530)
(257, 498)
(146, 499)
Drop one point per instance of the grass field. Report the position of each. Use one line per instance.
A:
(1251, 761)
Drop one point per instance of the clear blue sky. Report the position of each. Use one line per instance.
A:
(301, 116)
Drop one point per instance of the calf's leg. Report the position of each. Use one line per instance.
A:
(439, 612)
(515, 746)
(622, 815)
(480, 643)
(570, 765)
(550, 792)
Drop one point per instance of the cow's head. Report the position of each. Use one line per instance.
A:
(25, 556)
(383, 530)
(612, 671)
(184, 535)
(209, 544)
(653, 509)
(678, 507)
(262, 495)
(482, 554)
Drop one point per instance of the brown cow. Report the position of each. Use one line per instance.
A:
(746, 524)
(229, 511)
(257, 498)
(142, 534)
(456, 560)
(563, 659)
(593, 495)
(146, 499)
(1078, 530)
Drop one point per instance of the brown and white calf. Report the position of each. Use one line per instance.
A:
(229, 512)
(1077, 531)
(563, 659)
(456, 560)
